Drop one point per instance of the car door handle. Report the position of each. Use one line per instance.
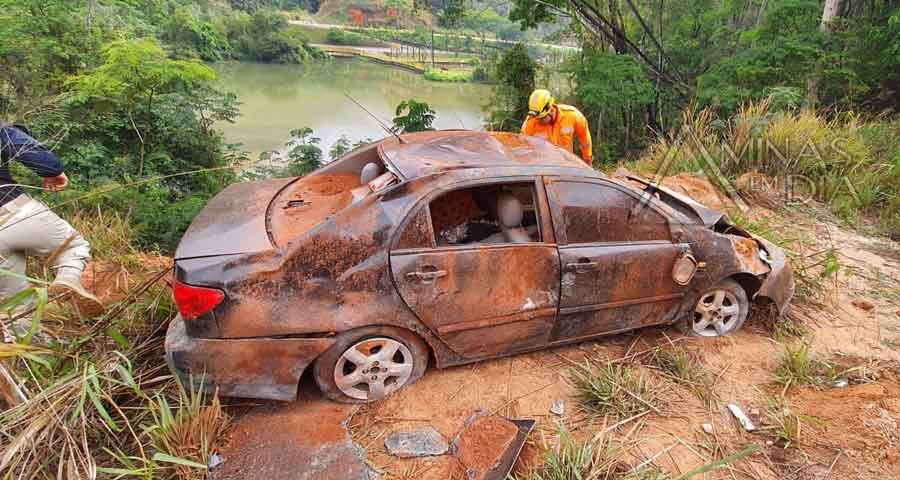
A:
(581, 266)
(426, 277)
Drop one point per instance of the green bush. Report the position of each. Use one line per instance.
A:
(264, 37)
(413, 116)
(338, 36)
(436, 75)
(514, 76)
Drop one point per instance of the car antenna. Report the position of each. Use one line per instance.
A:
(380, 123)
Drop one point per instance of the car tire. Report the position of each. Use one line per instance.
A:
(369, 363)
(720, 310)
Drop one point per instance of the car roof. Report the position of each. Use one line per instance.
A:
(425, 153)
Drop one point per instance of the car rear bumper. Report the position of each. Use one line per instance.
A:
(246, 367)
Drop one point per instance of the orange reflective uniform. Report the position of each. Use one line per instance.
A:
(569, 123)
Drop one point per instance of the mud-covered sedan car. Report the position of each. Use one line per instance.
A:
(451, 247)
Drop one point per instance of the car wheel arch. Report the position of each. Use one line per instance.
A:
(749, 282)
(323, 365)
(438, 353)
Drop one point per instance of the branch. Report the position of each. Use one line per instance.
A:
(585, 11)
(556, 9)
(653, 38)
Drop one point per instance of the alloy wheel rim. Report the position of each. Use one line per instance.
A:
(716, 314)
(373, 368)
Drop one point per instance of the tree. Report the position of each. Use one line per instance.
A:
(611, 88)
(191, 37)
(42, 42)
(514, 74)
(452, 12)
(829, 12)
(264, 37)
(779, 52)
(418, 117)
(133, 75)
(249, 6)
(340, 148)
(304, 154)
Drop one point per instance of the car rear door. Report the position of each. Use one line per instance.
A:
(616, 256)
(482, 299)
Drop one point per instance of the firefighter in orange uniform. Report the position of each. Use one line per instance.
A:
(560, 124)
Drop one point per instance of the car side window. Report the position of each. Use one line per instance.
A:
(486, 214)
(595, 212)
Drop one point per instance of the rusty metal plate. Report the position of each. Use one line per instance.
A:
(234, 221)
(512, 453)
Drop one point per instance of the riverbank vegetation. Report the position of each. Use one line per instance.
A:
(441, 75)
(120, 94)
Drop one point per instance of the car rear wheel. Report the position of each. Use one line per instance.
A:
(721, 310)
(367, 364)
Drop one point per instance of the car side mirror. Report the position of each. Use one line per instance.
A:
(684, 269)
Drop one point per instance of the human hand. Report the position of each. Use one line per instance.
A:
(57, 183)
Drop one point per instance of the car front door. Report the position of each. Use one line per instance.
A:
(482, 293)
(617, 258)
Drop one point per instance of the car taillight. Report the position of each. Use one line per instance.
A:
(195, 301)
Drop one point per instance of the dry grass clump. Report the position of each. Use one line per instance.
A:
(851, 166)
(598, 459)
(683, 367)
(799, 367)
(784, 425)
(611, 389)
(602, 458)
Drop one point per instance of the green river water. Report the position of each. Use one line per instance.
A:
(278, 98)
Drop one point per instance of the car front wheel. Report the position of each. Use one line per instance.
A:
(721, 310)
(367, 364)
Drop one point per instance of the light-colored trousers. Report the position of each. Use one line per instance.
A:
(28, 227)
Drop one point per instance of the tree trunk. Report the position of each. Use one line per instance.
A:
(762, 8)
(829, 13)
(615, 16)
(654, 107)
(89, 17)
(598, 138)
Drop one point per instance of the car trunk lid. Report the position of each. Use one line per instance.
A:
(310, 201)
(233, 222)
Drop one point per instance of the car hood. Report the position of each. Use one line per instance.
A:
(681, 203)
(233, 222)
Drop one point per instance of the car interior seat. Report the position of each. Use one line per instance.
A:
(510, 213)
(369, 172)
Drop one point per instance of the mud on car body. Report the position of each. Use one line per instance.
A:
(453, 245)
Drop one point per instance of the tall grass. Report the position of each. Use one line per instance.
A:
(785, 426)
(611, 389)
(603, 459)
(840, 160)
(598, 459)
(100, 401)
(683, 367)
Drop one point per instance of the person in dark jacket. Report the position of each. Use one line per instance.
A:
(28, 227)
